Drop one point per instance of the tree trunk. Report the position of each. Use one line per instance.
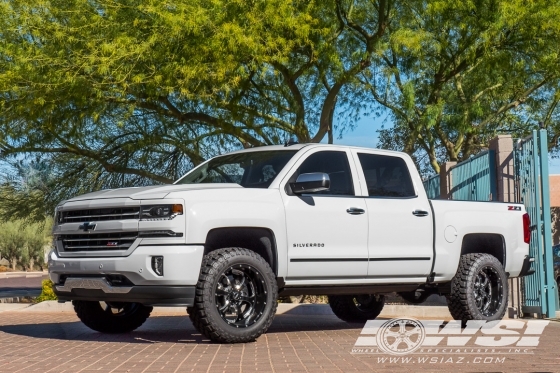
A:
(20, 260)
(14, 263)
(31, 263)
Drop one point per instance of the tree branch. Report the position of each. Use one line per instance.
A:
(515, 103)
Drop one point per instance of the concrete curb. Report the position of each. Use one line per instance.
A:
(22, 274)
(390, 310)
(7, 307)
(283, 309)
(49, 306)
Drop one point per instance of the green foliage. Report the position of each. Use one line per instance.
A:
(459, 72)
(47, 292)
(29, 191)
(106, 94)
(24, 242)
(12, 242)
(132, 93)
(37, 238)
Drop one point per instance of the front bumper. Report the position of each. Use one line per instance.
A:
(176, 287)
(100, 289)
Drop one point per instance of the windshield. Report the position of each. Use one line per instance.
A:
(250, 169)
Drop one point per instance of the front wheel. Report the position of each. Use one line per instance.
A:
(479, 290)
(357, 308)
(235, 297)
(111, 317)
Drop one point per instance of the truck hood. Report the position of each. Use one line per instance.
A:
(149, 192)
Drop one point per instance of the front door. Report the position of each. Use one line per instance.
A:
(327, 231)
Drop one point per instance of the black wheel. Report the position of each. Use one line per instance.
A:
(479, 290)
(357, 308)
(235, 297)
(111, 317)
(415, 297)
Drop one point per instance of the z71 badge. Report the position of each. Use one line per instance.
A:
(514, 208)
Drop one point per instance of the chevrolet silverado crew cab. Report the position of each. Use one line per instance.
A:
(243, 228)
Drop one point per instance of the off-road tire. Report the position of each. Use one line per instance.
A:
(462, 299)
(204, 313)
(95, 317)
(346, 309)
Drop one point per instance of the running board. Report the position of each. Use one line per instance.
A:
(350, 290)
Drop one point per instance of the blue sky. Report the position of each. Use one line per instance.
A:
(365, 135)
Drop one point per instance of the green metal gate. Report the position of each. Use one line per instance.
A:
(538, 291)
(475, 178)
(431, 185)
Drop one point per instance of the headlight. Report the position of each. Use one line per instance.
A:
(57, 215)
(161, 212)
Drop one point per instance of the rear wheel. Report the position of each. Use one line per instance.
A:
(479, 290)
(357, 308)
(111, 317)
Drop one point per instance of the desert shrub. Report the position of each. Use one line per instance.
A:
(23, 243)
(47, 292)
(316, 299)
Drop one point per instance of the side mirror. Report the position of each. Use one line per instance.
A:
(311, 183)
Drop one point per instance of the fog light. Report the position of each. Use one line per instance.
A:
(157, 265)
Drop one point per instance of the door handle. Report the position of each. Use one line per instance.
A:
(420, 213)
(355, 211)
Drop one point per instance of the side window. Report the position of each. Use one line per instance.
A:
(386, 176)
(333, 163)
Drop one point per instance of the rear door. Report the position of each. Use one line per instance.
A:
(400, 240)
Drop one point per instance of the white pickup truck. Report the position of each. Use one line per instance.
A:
(241, 229)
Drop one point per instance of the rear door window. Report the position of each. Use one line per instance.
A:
(386, 176)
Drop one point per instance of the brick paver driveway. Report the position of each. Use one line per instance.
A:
(58, 342)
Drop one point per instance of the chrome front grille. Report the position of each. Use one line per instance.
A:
(113, 213)
(97, 241)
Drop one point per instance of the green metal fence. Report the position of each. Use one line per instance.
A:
(475, 178)
(531, 170)
(431, 185)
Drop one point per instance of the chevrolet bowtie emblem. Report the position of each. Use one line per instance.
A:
(87, 226)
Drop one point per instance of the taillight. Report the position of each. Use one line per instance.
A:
(526, 228)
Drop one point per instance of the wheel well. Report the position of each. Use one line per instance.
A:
(485, 243)
(259, 240)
